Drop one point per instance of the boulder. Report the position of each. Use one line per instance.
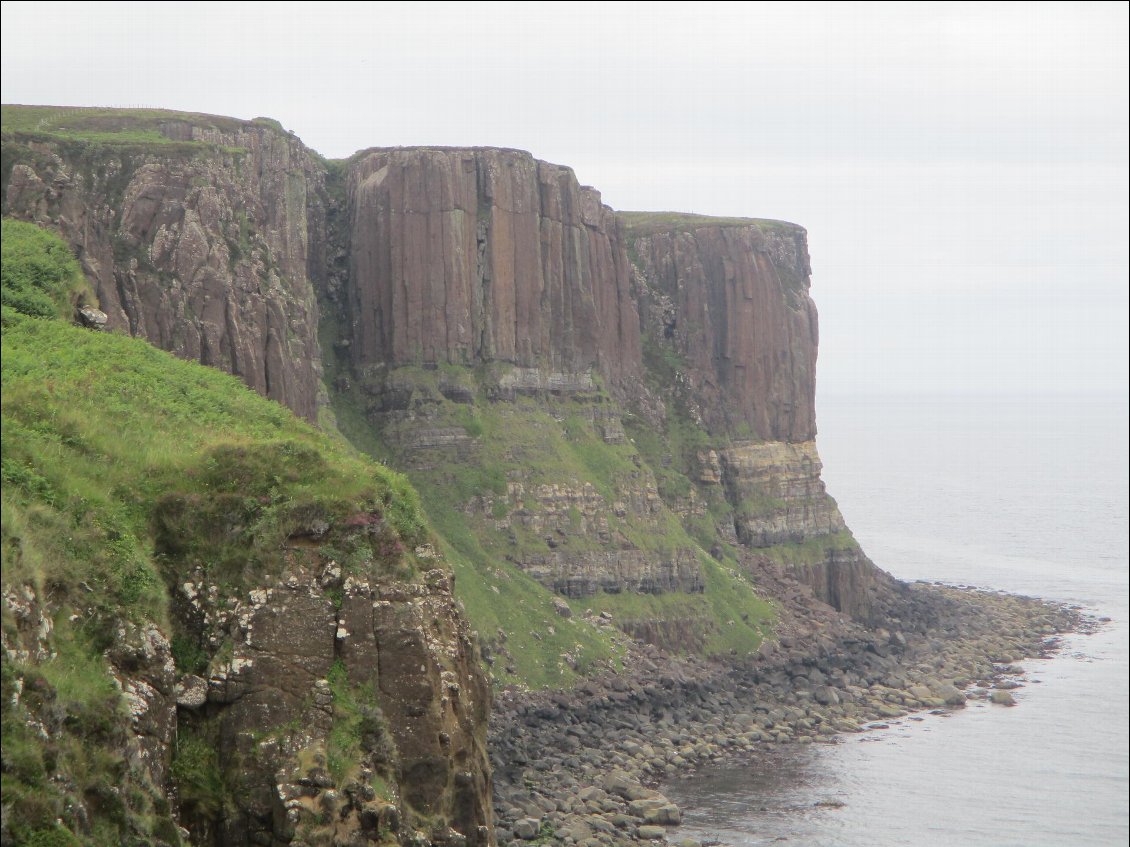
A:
(1002, 698)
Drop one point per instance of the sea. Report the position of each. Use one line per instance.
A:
(1027, 494)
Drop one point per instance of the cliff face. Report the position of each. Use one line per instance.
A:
(733, 302)
(200, 238)
(478, 255)
(726, 311)
(316, 668)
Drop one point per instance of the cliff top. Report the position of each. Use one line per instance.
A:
(444, 148)
(649, 223)
(116, 126)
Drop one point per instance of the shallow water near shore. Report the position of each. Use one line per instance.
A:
(1027, 495)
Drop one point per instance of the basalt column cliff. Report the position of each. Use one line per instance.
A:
(471, 256)
(729, 299)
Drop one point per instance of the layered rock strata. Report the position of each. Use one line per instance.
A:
(781, 494)
(553, 523)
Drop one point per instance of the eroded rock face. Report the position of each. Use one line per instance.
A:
(728, 303)
(318, 669)
(780, 501)
(465, 256)
(641, 571)
(734, 302)
(780, 493)
(203, 246)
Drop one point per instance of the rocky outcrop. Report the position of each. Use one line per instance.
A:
(466, 256)
(778, 494)
(324, 686)
(733, 302)
(338, 709)
(202, 240)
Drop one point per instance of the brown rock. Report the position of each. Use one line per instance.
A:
(205, 255)
(475, 255)
(740, 315)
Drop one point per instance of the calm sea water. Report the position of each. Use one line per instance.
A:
(1025, 494)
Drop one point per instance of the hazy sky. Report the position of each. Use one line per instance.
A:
(961, 168)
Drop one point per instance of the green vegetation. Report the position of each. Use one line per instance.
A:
(513, 613)
(727, 618)
(40, 277)
(124, 467)
(674, 451)
(114, 451)
(641, 224)
(812, 551)
(196, 772)
(114, 127)
(359, 729)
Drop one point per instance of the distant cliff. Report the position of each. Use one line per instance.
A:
(731, 297)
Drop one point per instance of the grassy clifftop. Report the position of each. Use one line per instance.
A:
(641, 224)
(113, 126)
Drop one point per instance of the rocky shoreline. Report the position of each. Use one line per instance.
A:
(583, 767)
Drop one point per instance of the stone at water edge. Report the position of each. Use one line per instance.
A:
(951, 694)
(1002, 698)
(920, 692)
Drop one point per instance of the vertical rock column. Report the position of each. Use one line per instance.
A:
(465, 256)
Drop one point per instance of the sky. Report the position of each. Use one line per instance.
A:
(961, 168)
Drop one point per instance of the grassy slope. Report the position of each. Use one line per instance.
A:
(99, 432)
(40, 278)
(496, 595)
